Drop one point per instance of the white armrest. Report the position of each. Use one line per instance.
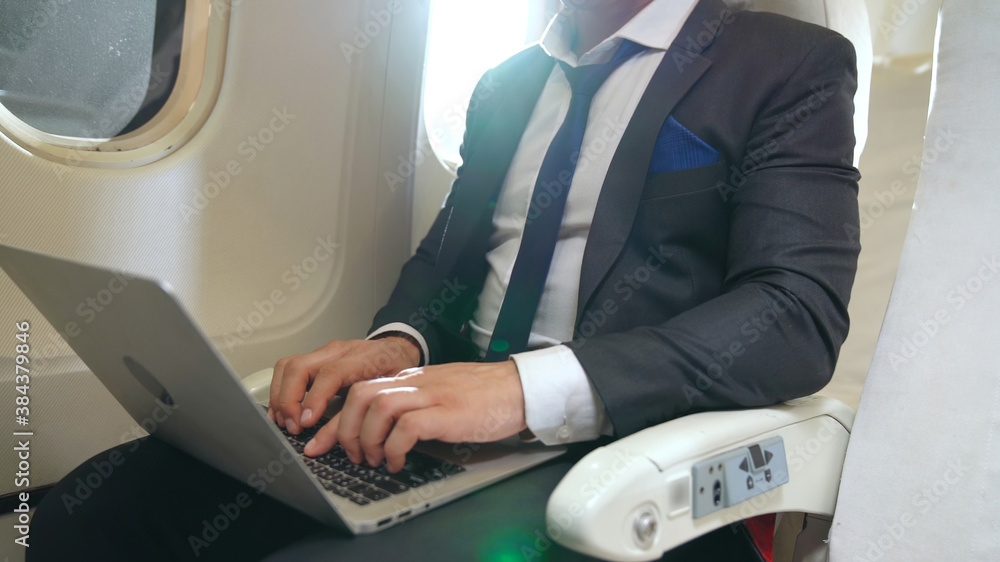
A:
(258, 384)
(642, 486)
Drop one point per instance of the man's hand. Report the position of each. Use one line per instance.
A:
(328, 369)
(383, 419)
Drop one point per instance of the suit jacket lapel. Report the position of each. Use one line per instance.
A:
(618, 202)
(486, 168)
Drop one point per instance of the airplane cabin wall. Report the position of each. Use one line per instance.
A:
(299, 244)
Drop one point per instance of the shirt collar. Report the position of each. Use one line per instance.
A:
(655, 27)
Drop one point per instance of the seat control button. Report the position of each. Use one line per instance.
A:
(645, 528)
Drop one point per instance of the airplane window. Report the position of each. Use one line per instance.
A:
(91, 70)
(467, 37)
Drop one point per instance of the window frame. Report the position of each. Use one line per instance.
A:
(202, 62)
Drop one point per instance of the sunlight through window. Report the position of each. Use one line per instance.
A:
(467, 37)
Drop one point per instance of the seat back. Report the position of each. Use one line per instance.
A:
(850, 19)
(920, 478)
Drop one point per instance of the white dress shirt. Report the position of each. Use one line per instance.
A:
(561, 405)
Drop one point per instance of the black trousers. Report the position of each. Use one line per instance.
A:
(147, 501)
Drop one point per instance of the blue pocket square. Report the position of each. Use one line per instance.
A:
(679, 149)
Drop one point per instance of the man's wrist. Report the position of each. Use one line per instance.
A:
(413, 354)
(517, 391)
(401, 329)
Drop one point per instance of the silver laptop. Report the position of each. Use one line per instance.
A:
(162, 369)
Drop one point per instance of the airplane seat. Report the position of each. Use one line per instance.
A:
(917, 479)
(669, 484)
(921, 473)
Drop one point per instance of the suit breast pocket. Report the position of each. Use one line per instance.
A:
(668, 184)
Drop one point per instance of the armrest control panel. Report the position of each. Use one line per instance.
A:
(738, 475)
(673, 482)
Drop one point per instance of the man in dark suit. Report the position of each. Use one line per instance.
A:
(694, 256)
(654, 217)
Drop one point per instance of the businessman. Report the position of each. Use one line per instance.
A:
(651, 219)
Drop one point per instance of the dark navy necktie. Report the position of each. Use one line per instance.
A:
(545, 214)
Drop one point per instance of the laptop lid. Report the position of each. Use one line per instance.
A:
(136, 338)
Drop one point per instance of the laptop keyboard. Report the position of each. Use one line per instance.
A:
(364, 484)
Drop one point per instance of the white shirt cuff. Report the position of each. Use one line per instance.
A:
(560, 403)
(408, 330)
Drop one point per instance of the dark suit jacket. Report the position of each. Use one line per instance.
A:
(713, 287)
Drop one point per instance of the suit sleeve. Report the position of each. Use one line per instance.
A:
(419, 282)
(776, 330)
